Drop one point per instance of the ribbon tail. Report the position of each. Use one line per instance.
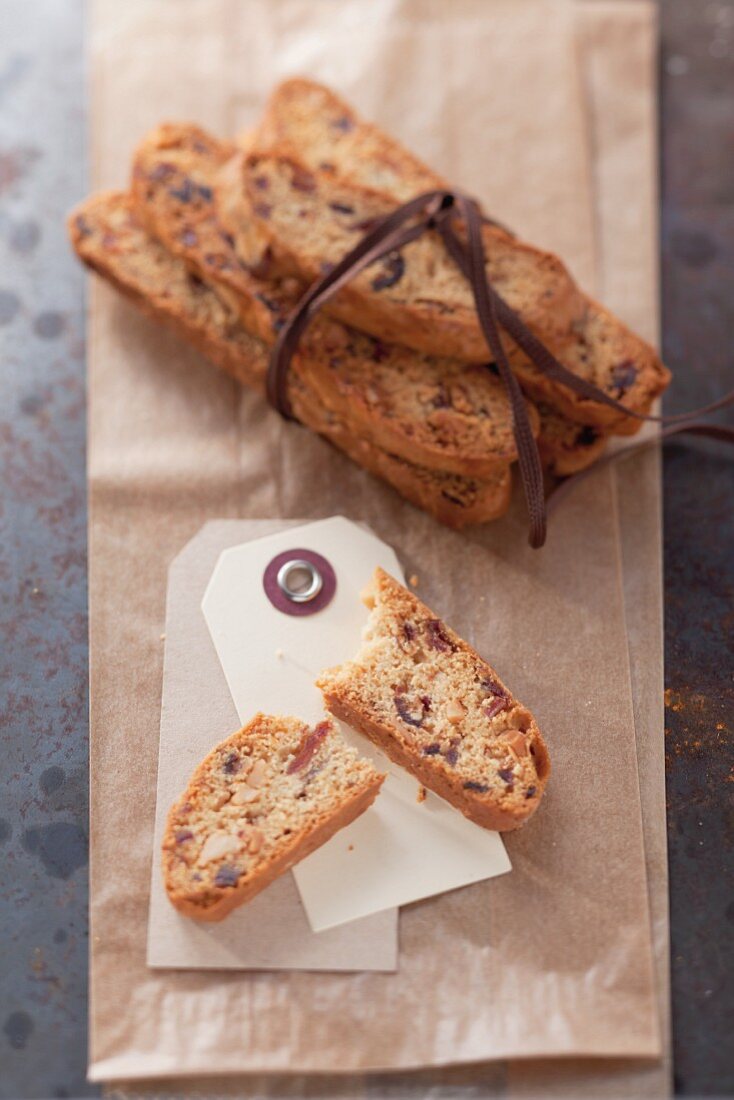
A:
(472, 263)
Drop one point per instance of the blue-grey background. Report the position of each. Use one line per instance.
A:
(43, 598)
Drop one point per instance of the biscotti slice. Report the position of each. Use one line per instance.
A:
(567, 447)
(438, 413)
(317, 125)
(109, 238)
(439, 710)
(256, 805)
(414, 296)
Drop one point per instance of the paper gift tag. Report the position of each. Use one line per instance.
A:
(271, 932)
(400, 850)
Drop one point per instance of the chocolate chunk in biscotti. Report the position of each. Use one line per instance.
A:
(257, 804)
(438, 709)
(108, 236)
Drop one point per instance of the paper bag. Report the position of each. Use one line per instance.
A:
(171, 445)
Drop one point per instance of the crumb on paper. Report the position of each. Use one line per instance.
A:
(163, 637)
(350, 848)
(413, 581)
(279, 654)
(421, 794)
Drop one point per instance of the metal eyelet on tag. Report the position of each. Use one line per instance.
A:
(288, 580)
(299, 582)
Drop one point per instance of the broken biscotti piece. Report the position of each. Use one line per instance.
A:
(430, 702)
(260, 801)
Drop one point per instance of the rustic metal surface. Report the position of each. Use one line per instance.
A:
(43, 712)
(698, 323)
(43, 652)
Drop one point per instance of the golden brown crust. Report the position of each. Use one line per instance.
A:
(232, 832)
(440, 710)
(108, 237)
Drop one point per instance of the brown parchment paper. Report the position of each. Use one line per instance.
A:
(171, 445)
(618, 44)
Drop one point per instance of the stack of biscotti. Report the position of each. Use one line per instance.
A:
(220, 242)
(315, 175)
(107, 234)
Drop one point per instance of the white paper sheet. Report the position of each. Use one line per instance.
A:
(400, 850)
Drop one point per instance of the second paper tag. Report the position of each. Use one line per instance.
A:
(400, 850)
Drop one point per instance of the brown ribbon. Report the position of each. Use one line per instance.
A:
(438, 210)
